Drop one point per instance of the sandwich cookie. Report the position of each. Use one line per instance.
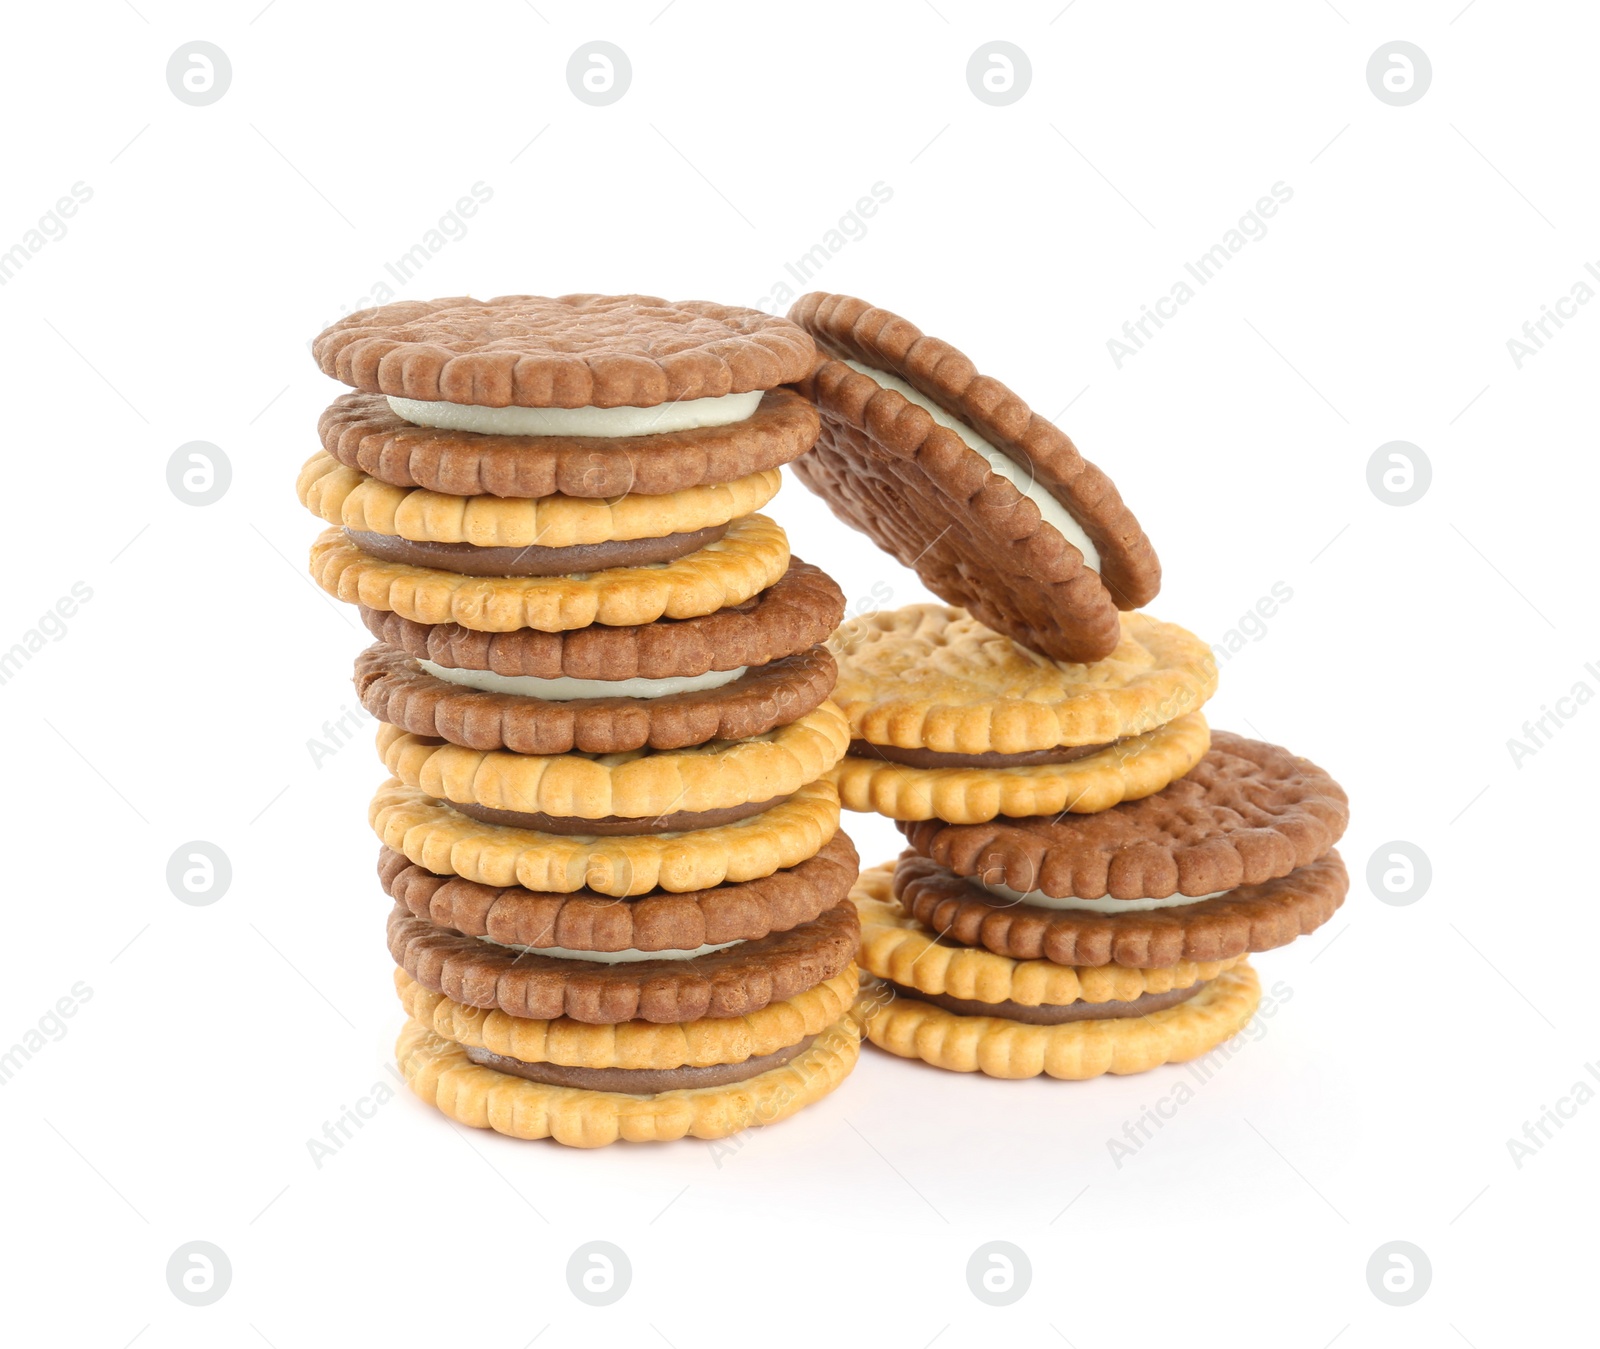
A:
(1235, 857)
(950, 720)
(968, 1010)
(738, 672)
(590, 1085)
(952, 473)
(637, 792)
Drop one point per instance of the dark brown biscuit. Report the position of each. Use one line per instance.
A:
(587, 921)
(564, 351)
(615, 826)
(468, 559)
(1052, 1014)
(1246, 813)
(1251, 918)
(393, 689)
(639, 1081)
(924, 496)
(361, 431)
(734, 982)
(800, 610)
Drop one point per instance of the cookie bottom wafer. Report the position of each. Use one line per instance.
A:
(440, 1072)
(1074, 1051)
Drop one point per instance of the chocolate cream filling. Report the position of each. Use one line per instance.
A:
(611, 826)
(468, 559)
(638, 1081)
(932, 758)
(1053, 1014)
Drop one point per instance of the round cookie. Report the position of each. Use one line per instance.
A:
(440, 1072)
(363, 432)
(448, 843)
(634, 1046)
(899, 950)
(1075, 1051)
(585, 920)
(751, 556)
(566, 351)
(929, 677)
(732, 981)
(1124, 771)
(1248, 918)
(939, 472)
(394, 688)
(793, 614)
(1248, 812)
(353, 500)
(639, 785)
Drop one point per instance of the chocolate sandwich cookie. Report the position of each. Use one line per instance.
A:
(1235, 857)
(952, 473)
(951, 720)
(636, 792)
(722, 979)
(969, 1010)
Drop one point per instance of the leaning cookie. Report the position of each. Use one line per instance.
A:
(952, 473)
(1047, 1022)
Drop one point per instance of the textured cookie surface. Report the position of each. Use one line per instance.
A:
(929, 676)
(439, 1072)
(1076, 1051)
(585, 920)
(564, 351)
(922, 494)
(795, 613)
(362, 432)
(897, 948)
(395, 690)
(1246, 813)
(448, 843)
(752, 555)
(350, 498)
(1125, 771)
(635, 784)
(633, 1045)
(735, 981)
(1250, 918)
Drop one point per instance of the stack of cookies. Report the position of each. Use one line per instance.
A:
(1089, 864)
(611, 836)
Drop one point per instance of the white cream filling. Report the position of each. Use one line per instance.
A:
(687, 414)
(626, 957)
(1041, 900)
(564, 689)
(1018, 475)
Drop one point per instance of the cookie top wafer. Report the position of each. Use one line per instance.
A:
(1247, 813)
(796, 612)
(567, 351)
(363, 432)
(953, 474)
(928, 676)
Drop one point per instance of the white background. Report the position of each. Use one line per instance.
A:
(177, 706)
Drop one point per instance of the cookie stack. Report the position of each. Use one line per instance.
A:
(620, 891)
(1089, 864)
